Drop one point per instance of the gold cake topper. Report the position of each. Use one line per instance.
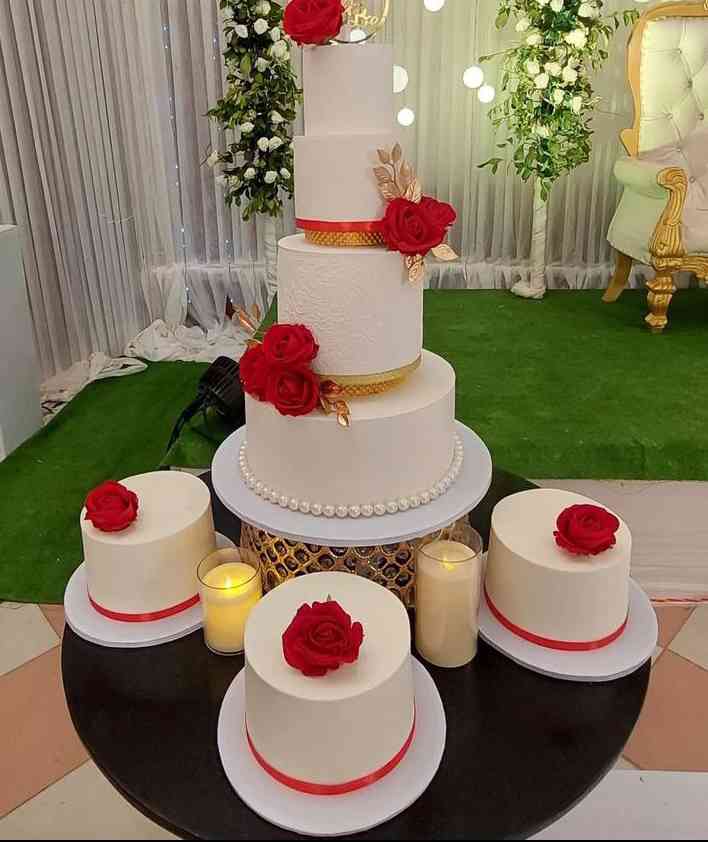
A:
(368, 16)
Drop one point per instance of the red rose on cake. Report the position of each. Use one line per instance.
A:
(111, 507)
(313, 21)
(321, 638)
(289, 345)
(416, 228)
(293, 390)
(586, 530)
(253, 371)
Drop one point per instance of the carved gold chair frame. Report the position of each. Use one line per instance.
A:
(668, 254)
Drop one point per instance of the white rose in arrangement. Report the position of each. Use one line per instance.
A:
(276, 117)
(570, 75)
(577, 38)
(280, 50)
(263, 8)
(534, 39)
(275, 143)
(213, 159)
(576, 104)
(557, 5)
(523, 25)
(588, 10)
(542, 131)
(558, 96)
(260, 26)
(263, 144)
(285, 172)
(533, 68)
(543, 3)
(246, 128)
(553, 68)
(270, 176)
(542, 81)
(239, 159)
(228, 13)
(250, 174)
(275, 33)
(261, 64)
(241, 30)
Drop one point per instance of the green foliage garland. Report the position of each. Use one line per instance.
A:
(260, 106)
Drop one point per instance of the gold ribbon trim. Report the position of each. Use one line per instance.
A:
(345, 239)
(366, 385)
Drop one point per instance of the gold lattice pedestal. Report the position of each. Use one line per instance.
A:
(391, 565)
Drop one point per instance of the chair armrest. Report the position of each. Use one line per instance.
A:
(642, 177)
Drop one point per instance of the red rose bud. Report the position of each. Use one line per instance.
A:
(321, 638)
(313, 21)
(111, 507)
(412, 228)
(289, 345)
(253, 371)
(440, 212)
(293, 391)
(586, 530)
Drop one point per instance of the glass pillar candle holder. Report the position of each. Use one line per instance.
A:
(448, 583)
(229, 586)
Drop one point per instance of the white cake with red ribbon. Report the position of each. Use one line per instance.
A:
(329, 683)
(558, 570)
(143, 539)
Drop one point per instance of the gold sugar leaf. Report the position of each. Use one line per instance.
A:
(325, 404)
(343, 420)
(246, 321)
(406, 176)
(414, 193)
(252, 343)
(382, 174)
(396, 153)
(416, 269)
(444, 252)
(390, 191)
(384, 156)
(257, 312)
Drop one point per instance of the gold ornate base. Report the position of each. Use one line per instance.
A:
(391, 565)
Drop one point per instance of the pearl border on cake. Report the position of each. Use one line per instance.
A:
(375, 509)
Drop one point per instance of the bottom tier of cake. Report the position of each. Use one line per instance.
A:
(400, 451)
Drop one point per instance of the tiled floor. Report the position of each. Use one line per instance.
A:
(51, 790)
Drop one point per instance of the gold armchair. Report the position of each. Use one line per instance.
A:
(662, 218)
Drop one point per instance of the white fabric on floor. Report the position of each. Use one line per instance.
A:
(161, 342)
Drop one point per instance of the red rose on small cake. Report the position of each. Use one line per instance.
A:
(293, 391)
(289, 345)
(313, 21)
(586, 530)
(111, 507)
(321, 638)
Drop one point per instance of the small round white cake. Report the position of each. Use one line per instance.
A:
(546, 591)
(151, 566)
(348, 724)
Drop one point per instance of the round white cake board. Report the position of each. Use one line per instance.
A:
(334, 815)
(470, 487)
(626, 654)
(83, 619)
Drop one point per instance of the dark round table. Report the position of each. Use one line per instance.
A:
(521, 749)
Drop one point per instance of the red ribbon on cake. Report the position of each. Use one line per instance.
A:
(548, 643)
(371, 227)
(332, 789)
(150, 617)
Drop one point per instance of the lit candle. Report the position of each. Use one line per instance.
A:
(448, 581)
(230, 587)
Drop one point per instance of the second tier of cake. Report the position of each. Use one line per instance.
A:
(400, 451)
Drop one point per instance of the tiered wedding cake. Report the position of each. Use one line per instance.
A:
(353, 280)
(327, 731)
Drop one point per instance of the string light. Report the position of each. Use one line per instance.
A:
(400, 79)
(406, 116)
(433, 5)
(473, 77)
(486, 94)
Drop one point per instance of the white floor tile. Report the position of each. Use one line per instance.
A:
(638, 805)
(24, 634)
(692, 641)
(83, 805)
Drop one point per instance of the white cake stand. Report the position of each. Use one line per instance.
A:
(83, 619)
(472, 484)
(622, 657)
(328, 815)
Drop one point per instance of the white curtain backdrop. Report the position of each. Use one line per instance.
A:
(103, 133)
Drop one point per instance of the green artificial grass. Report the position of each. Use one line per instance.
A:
(112, 429)
(563, 388)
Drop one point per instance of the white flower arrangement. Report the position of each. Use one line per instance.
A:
(259, 107)
(548, 98)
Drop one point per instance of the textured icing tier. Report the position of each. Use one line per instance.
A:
(344, 725)
(399, 444)
(348, 90)
(359, 304)
(152, 565)
(334, 177)
(545, 590)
